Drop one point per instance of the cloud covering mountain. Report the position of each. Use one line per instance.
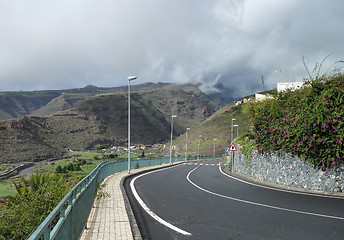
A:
(66, 44)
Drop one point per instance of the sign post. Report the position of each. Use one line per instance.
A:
(228, 154)
(232, 148)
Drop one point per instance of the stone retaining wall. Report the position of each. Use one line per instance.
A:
(288, 170)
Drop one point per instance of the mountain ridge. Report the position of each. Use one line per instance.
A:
(45, 102)
(103, 119)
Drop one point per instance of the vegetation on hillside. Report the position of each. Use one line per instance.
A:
(46, 102)
(18, 104)
(103, 119)
(306, 122)
(218, 127)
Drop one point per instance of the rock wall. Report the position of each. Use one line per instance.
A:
(289, 170)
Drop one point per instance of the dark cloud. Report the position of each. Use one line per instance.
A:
(64, 44)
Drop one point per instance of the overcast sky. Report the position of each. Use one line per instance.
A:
(70, 44)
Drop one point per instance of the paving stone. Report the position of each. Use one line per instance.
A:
(109, 219)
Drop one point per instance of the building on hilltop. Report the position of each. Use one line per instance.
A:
(260, 97)
(289, 85)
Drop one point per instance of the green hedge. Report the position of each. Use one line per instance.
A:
(306, 122)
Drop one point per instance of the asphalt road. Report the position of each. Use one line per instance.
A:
(199, 201)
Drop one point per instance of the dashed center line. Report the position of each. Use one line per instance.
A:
(202, 164)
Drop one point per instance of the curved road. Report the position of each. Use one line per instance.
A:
(198, 200)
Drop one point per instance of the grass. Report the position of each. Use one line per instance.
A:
(86, 168)
(6, 189)
(217, 127)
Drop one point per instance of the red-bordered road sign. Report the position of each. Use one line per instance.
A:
(233, 147)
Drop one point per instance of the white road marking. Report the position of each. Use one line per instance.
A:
(277, 189)
(204, 164)
(258, 204)
(149, 211)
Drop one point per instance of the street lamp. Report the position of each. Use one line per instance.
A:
(173, 116)
(233, 119)
(186, 143)
(131, 78)
(198, 147)
(237, 126)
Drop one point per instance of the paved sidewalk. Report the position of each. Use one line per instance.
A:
(108, 219)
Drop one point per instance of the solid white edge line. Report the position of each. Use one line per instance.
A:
(278, 189)
(148, 210)
(259, 204)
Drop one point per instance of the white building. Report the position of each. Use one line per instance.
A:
(289, 85)
(260, 97)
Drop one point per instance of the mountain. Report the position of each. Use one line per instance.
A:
(38, 103)
(102, 119)
(18, 104)
(42, 103)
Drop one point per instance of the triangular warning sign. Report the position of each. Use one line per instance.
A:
(232, 147)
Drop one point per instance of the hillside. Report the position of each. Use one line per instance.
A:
(18, 104)
(103, 119)
(38, 103)
(42, 103)
(218, 127)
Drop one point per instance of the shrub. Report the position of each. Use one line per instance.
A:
(306, 122)
(35, 199)
(69, 168)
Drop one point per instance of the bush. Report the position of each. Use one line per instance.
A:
(36, 198)
(307, 122)
(69, 168)
(58, 169)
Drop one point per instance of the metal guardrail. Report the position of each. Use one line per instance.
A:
(68, 219)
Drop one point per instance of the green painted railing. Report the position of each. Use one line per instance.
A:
(68, 219)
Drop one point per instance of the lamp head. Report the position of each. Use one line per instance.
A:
(132, 78)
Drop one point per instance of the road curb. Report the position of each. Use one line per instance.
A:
(133, 224)
(280, 186)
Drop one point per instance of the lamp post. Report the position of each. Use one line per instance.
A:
(173, 116)
(237, 126)
(233, 162)
(233, 119)
(186, 143)
(198, 147)
(131, 78)
(214, 147)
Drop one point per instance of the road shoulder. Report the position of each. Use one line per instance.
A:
(279, 186)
